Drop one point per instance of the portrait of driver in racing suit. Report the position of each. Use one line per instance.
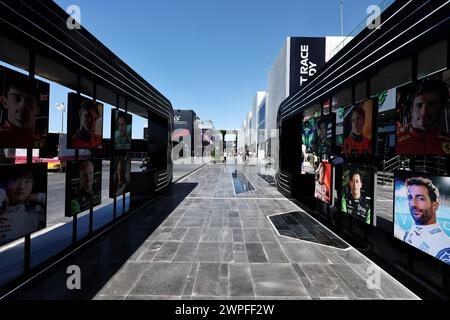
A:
(426, 235)
(354, 201)
(322, 192)
(356, 142)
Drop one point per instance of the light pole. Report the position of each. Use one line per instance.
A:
(61, 108)
(342, 18)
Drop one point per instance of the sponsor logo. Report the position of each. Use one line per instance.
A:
(444, 255)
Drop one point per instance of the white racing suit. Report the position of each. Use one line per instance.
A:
(430, 239)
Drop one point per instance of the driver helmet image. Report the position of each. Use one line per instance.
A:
(426, 235)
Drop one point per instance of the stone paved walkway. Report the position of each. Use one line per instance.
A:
(201, 241)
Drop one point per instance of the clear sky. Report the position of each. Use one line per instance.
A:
(207, 55)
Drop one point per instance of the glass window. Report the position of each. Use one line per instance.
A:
(361, 91)
(432, 59)
(394, 75)
(342, 98)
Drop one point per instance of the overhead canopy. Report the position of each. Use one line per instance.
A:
(406, 25)
(38, 30)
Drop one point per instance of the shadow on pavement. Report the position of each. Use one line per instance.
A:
(102, 258)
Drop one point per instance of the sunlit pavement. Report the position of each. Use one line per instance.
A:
(201, 240)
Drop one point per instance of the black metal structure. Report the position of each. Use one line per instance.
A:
(34, 36)
(407, 27)
(62, 54)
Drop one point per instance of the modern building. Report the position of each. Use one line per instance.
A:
(371, 150)
(184, 123)
(258, 101)
(37, 48)
(299, 60)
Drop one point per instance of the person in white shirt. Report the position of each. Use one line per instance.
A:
(426, 235)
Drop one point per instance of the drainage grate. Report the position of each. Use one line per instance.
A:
(241, 183)
(299, 225)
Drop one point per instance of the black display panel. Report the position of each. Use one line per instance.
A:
(324, 135)
(307, 56)
(24, 108)
(121, 129)
(120, 176)
(83, 185)
(85, 123)
(23, 200)
(359, 127)
(323, 189)
(358, 192)
(423, 117)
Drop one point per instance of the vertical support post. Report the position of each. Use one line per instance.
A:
(91, 208)
(123, 195)
(75, 216)
(27, 240)
(114, 153)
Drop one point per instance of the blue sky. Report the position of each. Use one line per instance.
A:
(207, 55)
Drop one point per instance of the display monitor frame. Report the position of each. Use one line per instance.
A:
(369, 127)
(76, 133)
(329, 173)
(25, 130)
(402, 176)
(74, 194)
(369, 195)
(116, 133)
(36, 201)
(417, 134)
(113, 176)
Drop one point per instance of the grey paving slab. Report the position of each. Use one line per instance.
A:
(238, 235)
(193, 234)
(356, 283)
(167, 251)
(211, 235)
(178, 234)
(239, 247)
(240, 281)
(208, 252)
(152, 250)
(306, 281)
(276, 280)
(122, 283)
(186, 252)
(325, 284)
(240, 257)
(162, 279)
(227, 235)
(274, 253)
(226, 252)
(304, 253)
(152, 297)
(255, 253)
(207, 282)
(251, 235)
(266, 235)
